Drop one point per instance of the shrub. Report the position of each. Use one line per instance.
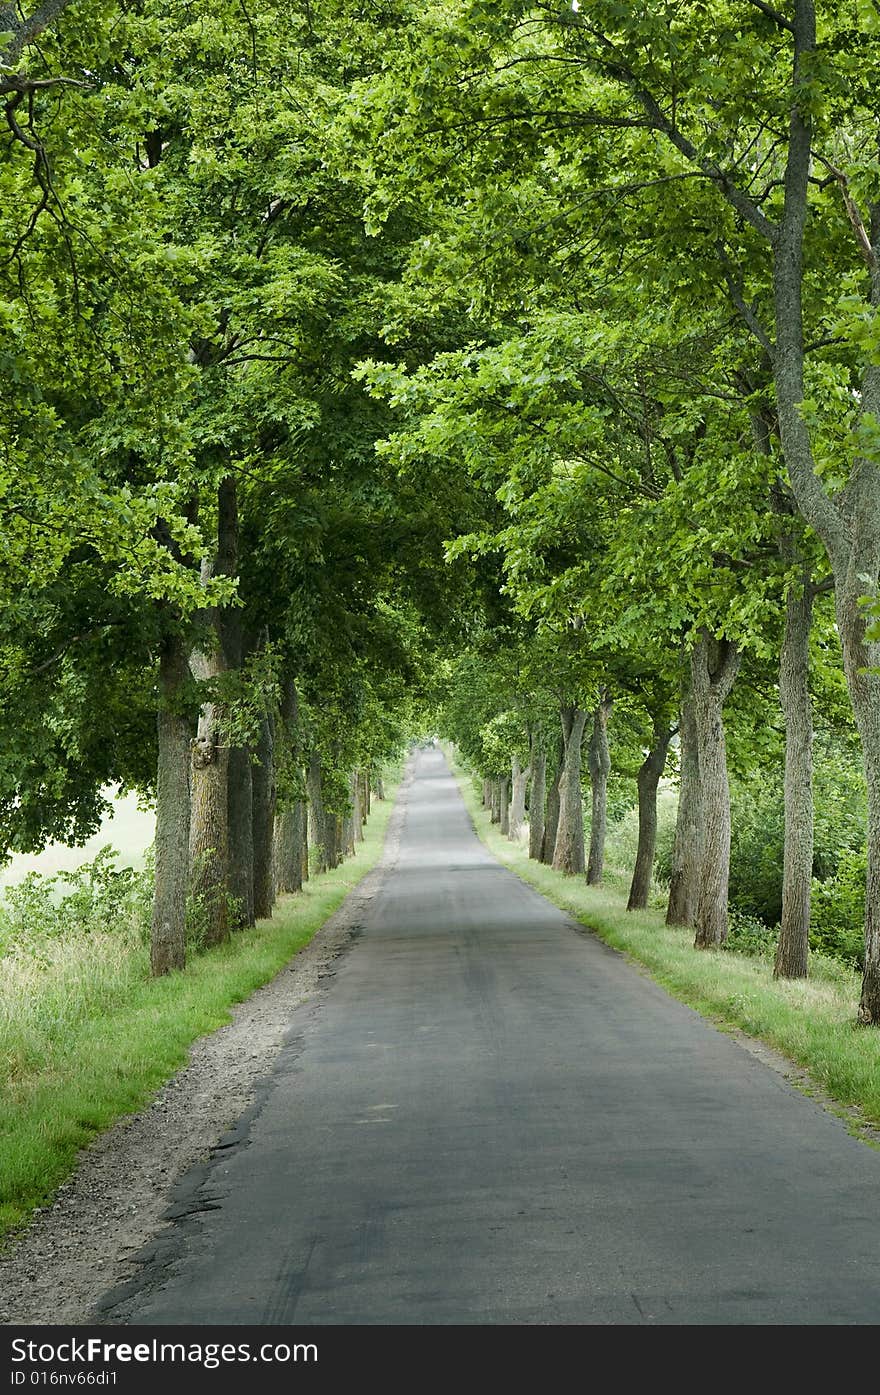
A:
(748, 934)
(838, 911)
(98, 897)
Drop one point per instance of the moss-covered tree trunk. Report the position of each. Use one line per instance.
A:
(168, 931)
(599, 765)
(568, 854)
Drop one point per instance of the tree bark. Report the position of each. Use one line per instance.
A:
(303, 807)
(599, 765)
(380, 788)
(209, 828)
(168, 933)
(239, 792)
(495, 808)
(240, 814)
(504, 806)
(264, 793)
(518, 799)
(647, 780)
(568, 854)
(551, 814)
(849, 525)
(714, 665)
(487, 794)
(687, 853)
(318, 836)
(359, 818)
(538, 799)
(209, 809)
(864, 688)
(288, 848)
(331, 839)
(793, 948)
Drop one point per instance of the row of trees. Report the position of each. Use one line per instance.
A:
(293, 296)
(665, 221)
(211, 589)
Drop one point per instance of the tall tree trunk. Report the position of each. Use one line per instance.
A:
(504, 806)
(551, 814)
(240, 814)
(209, 835)
(380, 788)
(687, 853)
(864, 688)
(599, 764)
(351, 820)
(358, 815)
(495, 811)
(793, 948)
(331, 838)
(263, 779)
(568, 854)
(168, 933)
(288, 848)
(487, 794)
(647, 780)
(209, 809)
(714, 665)
(318, 836)
(302, 806)
(537, 799)
(518, 799)
(848, 525)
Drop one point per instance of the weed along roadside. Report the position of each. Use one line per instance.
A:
(811, 1021)
(86, 1036)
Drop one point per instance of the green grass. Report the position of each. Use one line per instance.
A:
(812, 1022)
(86, 1036)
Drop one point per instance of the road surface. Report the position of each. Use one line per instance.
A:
(489, 1117)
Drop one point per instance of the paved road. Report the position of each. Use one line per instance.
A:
(488, 1117)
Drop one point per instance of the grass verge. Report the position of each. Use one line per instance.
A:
(86, 1036)
(812, 1022)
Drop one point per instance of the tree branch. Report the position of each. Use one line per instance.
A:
(777, 18)
(26, 31)
(732, 192)
(737, 296)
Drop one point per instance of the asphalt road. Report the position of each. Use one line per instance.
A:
(489, 1117)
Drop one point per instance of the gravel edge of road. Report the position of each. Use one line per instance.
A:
(117, 1201)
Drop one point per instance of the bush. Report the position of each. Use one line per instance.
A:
(747, 934)
(838, 911)
(97, 897)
